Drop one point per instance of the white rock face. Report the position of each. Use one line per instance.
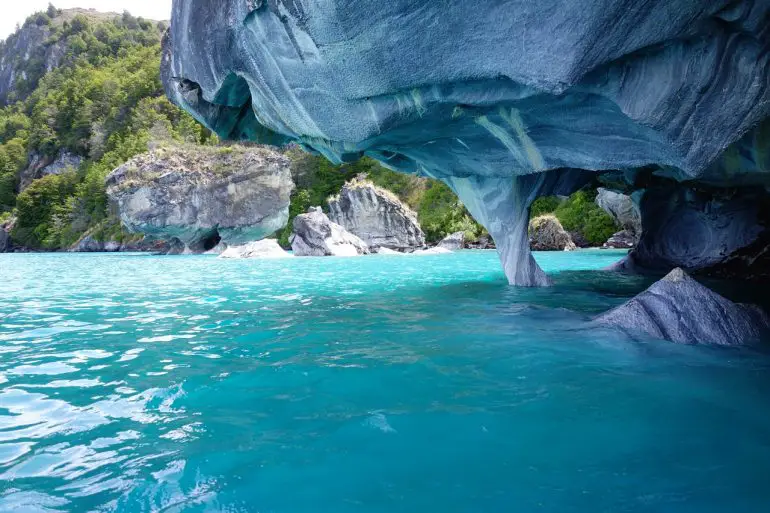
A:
(386, 251)
(315, 235)
(432, 251)
(376, 216)
(453, 241)
(267, 248)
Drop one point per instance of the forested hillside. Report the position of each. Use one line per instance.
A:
(80, 94)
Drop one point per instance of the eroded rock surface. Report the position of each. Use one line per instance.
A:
(453, 241)
(537, 92)
(199, 196)
(376, 216)
(315, 235)
(622, 209)
(722, 232)
(680, 309)
(267, 248)
(547, 234)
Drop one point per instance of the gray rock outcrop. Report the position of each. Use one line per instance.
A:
(704, 230)
(624, 239)
(267, 248)
(376, 216)
(679, 309)
(622, 209)
(583, 87)
(453, 241)
(547, 234)
(315, 235)
(200, 196)
(42, 165)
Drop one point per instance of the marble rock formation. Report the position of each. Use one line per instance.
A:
(621, 208)
(376, 216)
(547, 234)
(680, 309)
(438, 250)
(712, 231)
(267, 248)
(315, 235)
(453, 241)
(624, 239)
(624, 211)
(538, 96)
(199, 196)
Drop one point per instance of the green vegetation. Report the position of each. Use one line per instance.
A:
(104, 102)
(438, 209)
(579, 213)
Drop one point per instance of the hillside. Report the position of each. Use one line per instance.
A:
(81, 94)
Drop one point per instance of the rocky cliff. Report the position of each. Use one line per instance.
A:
(376, 216)
(200, 195)
(315, 235)
(537, 98)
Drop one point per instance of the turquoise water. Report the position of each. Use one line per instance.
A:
(137, 383)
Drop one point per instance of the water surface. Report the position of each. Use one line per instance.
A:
(137, 383)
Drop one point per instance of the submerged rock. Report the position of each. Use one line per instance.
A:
(200, 196)
(315, 235)
(376, 216)
(267, 248)
(547, 234)
(583, 87)
(453, 241)
(680, 309)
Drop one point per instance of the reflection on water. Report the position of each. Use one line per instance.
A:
(140, 383)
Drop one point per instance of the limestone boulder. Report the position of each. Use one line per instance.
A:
(547, 234)
(376, 216)
(316, 235)
(453, 241)
(200, 196)
(267, 248)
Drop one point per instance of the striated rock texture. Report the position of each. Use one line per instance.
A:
(315, 235)
(42, 165)
(200, 196)
(376, 216)
(268, 248)
(453, 241)
(714, 231)
(537, 95)
(624, 239)
(547, 234)
(621, 208)
(680, 309)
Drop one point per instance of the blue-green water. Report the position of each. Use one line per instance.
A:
(381, 384)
